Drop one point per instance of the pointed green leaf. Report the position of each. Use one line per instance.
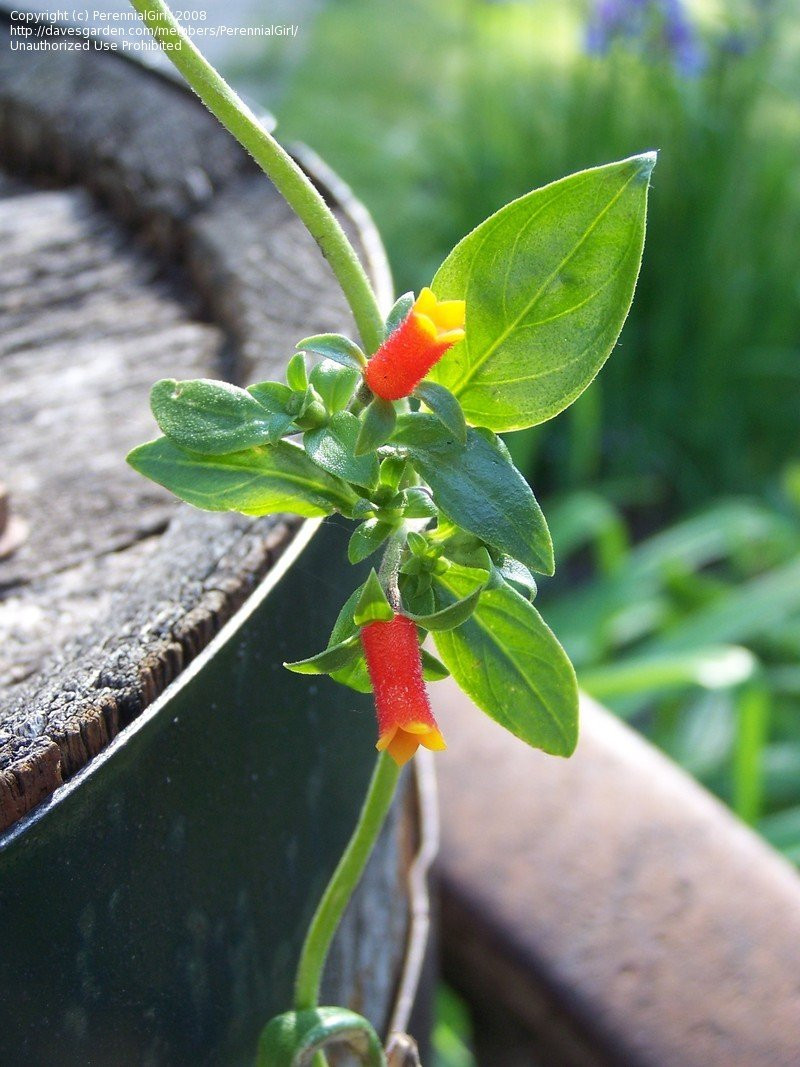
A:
(335, 384)
(336, 347)
(259, 481)
(518, 574)
(355, 674)
(419, 504)
(450, 616)
(508, 661)
(392, 470)
(548, 281)
(417, 543)
(367, 538)
(274, 397)
(333, 658)
(296, 375)
(213, 418)
(332, 447)
(445, 407)
(377, 424)
(344, 626)
(363, 509)
(478, 488)
(372, 605)
(399, 312)
(416, 593)
(433, 670)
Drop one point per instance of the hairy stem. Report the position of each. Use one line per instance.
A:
(343, 882)
(389, 570)
(285, 174)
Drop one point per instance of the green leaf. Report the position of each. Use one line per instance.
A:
(416, 593)
(275, 398)
(548, 281)
(296, 375)
(335, 384)
(392, 470)
(417, 543)
(508, 661)
(518, 575)
(355, 674)
(478, 488)
(344, 626)
(445, 407)
(377, 424)
(213, 418)
(419, 504)
(333, 658)
(367, 538)
(450, 616)
(372, 605)
(363, 509)
(433, 670)
(332, 447)
(399, 312)
(336, 347)
(259, 481)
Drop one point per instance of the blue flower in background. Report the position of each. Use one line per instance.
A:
(654, 26)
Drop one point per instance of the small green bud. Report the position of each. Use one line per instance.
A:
(296, 376)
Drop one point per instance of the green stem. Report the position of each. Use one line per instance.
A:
(389, 570)
(286, 175)
(343, 882)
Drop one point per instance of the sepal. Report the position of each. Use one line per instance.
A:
(445, 407)
(329, 660)
(377, 426)
(372, 605)
(400, 311)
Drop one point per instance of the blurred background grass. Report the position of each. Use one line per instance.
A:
(673, 485)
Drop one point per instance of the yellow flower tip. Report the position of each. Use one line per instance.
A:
(402, 742)
(434, 741)
(443, 319)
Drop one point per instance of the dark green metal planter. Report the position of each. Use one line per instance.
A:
(152, 911)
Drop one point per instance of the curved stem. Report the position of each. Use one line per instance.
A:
(288, 178)
(345, 878)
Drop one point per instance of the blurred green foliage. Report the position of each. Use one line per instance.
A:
(452, 1032)
(438, 113)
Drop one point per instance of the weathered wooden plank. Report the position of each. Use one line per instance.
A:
(610, 905)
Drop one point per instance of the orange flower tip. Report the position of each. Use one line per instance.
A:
(402, 742)
(434, 741)
(442, 319)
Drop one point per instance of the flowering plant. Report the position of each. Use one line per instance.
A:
(399, 434)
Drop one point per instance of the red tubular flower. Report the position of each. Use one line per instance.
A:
(405, 720)
(422, 338)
